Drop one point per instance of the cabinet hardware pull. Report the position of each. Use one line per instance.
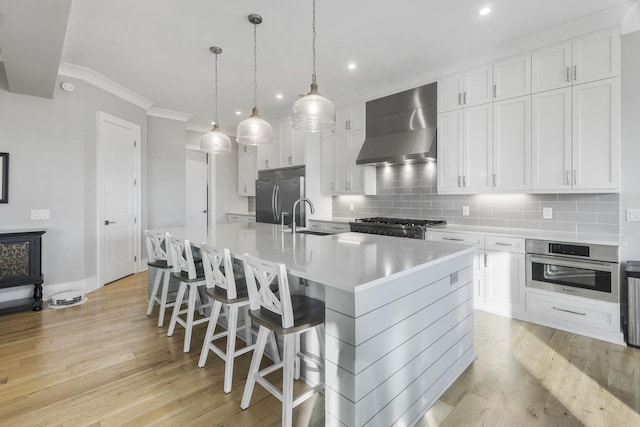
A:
(465, 98)
(453, 239)
(266, 163)
(459, 180)
(503, 244)
(107, 222)
(486, 260)
(566, 177)
(464, 180)
(569, 311)
(333, 186)
(575, 177)
(459, 99)
(568, 74)
(575, 72)
(245, 189)
(290, 159)
(494, 179)
(495, 91)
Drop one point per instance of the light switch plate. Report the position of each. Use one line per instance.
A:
(351, 207)
(547, 213)
(39, 213)
(633, 214)
(465, 211)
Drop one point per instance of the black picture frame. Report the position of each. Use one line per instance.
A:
(4, 177)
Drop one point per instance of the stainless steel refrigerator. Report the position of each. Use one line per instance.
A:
(276, 191)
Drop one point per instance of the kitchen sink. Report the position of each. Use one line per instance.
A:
(315, 233)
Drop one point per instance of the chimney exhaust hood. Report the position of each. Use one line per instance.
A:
(401, 128)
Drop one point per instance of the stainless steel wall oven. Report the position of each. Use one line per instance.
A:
(590, 271)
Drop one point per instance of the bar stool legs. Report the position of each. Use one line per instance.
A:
(162, 276)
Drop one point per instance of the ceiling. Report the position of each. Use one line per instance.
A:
(159, 49)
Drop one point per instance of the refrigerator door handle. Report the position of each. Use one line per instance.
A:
(273, 202)
(277, 203)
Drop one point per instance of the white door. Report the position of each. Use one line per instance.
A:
(512, 144)
(450, 94)
(119, 148)
(343, 114)
(196, 187)
(478, 143)
(356, 182)
(596, 57)
(512, 78)
(551, 140)
(450, 151)
(285, 133)
(551, 68)
(343, 169)
(504, 275)
(478, 86)
(328, 165)
(357, 120)
(596, 135)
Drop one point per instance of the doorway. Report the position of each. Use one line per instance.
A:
(197, 189)
(118, 197)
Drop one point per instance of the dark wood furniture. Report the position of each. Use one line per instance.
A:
(20, 265)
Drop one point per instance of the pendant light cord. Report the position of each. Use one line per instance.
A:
(313, 76)
(215, 79)
(255, 67)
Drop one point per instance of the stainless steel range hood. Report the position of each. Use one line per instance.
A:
(401, 128)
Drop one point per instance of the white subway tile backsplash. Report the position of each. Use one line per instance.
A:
(410, 191)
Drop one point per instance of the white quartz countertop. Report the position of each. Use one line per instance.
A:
(334, 220)
(562, 236)
(348, 261)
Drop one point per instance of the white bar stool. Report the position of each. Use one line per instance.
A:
(229, 292)
(286, 314)
(158, 258)
(184, 269)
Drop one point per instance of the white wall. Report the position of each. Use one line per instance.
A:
(226, 185)
(52, 148)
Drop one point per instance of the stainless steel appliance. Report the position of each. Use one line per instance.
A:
(276, 192)
(590, 271)
(631, 302)
(401, 127)
(398, 227)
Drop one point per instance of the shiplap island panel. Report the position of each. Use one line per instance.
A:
(399, 314)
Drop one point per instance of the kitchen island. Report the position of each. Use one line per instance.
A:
(399, 314)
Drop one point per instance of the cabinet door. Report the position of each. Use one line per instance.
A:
(328, 165)
(263, 157)
(478, 86)
(269, 155)
(357, 119)
(343, 169)
(299, 141)
(512, 78)
(450, 93)
(479, 280)
(286, 143)
(356, 182)
(477, 148)
(450, 155)
(551, 68)
(504, 282)
(247, 171)
(551, 140)
(596, 135)
(343, 114)
(596, 57)
(512, 144)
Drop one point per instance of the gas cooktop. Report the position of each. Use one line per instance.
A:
(399, 227)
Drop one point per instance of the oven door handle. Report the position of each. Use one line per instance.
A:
(586, 265)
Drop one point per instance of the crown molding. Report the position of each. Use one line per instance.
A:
(100, 81)
(197, 127)
(168, 114)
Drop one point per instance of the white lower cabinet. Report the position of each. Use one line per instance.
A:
(231, 218)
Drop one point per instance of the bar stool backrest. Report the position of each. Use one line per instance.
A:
(218, 269)
(260, 275)
(182, 257)
(157, 246)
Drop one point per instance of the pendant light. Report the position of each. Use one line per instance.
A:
(313, 112)
(215, 141)
(254, 130)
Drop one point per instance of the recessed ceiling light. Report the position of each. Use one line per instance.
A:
(484, 11)
(279, 96)
(238, 113)
(351, 66)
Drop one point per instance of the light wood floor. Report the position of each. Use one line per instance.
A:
(105, 363)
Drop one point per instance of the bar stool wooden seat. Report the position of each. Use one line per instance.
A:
(190, 277)
(230, 293)
(158, 258)
(286, 314)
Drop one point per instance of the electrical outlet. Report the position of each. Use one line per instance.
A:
(351, 209)
(633, 214)
(465, 211)
(39, 213)
(547, 213)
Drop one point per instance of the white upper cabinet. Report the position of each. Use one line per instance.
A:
(350, 118)
(269, 155)
(474, 87)
(596, 135)
(512, 144)
(329, 171)
(512, 78)
(247, 170)
(589, 58)
(551, 140)
(291, 145)
(340, 174)
(450, 140)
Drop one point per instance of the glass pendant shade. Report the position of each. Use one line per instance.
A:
(313, 112)
(254, 130)
(215, 141)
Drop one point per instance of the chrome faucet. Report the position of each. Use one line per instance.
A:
(293, 212)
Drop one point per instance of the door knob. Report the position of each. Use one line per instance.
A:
(107, 222)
